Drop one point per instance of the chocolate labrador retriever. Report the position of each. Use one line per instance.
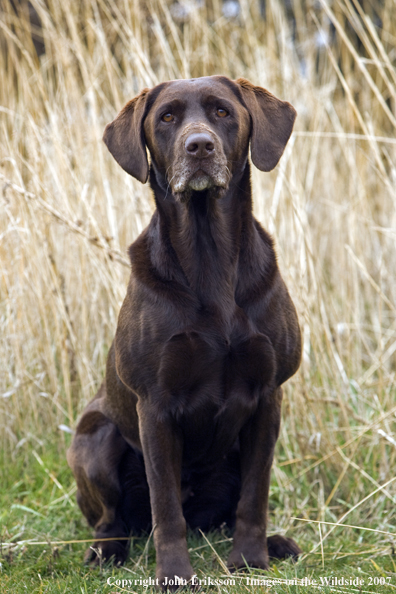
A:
(184, 427)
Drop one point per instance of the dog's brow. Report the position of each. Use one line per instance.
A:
(218, 101)
(212, 98)
(170, 105)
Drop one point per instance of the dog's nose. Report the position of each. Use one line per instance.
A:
(199, 144)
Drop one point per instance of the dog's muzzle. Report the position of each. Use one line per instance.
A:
(200, 163)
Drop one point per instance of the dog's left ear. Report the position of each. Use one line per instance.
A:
(124, 138)
(272, 124)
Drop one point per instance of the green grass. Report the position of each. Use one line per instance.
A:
(38, 506)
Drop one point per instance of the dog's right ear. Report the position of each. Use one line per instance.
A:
(125, 139)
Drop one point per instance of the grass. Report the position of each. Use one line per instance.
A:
(68, 214)
(38, 507)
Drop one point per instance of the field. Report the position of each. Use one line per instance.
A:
(68, 214)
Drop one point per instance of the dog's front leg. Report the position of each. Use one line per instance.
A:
(257, 443)
(162, 450)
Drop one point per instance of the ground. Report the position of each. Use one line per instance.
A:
(38, 503)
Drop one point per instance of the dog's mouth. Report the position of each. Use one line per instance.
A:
(200, 181)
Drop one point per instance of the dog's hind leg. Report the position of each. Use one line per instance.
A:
(112, 488)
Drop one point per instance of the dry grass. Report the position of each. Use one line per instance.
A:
(68, 214)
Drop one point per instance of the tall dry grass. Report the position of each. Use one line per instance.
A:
(68, 214)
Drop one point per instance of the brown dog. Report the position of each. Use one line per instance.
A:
(185, 425)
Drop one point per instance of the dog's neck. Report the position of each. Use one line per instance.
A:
(202, 241)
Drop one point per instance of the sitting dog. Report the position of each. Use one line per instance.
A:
(184, 427)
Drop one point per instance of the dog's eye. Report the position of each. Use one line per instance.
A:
(222, 113)
(167, 117)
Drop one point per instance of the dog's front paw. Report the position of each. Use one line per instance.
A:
(249, 556)
(175, 577)
(102, 551)
(281, 547)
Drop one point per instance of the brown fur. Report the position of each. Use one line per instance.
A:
(185, 425)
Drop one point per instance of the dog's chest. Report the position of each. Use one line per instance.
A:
(216, 372)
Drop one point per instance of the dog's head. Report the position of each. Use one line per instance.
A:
(198, 133)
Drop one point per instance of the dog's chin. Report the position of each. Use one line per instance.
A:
(199, 184)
